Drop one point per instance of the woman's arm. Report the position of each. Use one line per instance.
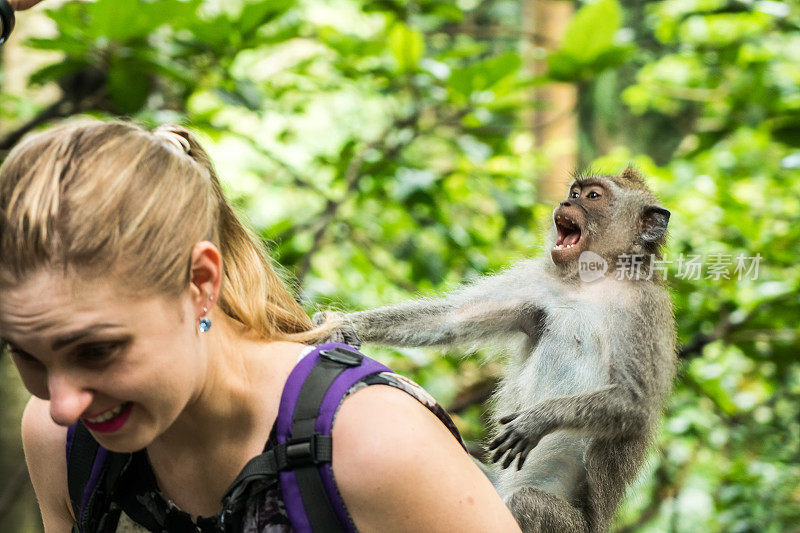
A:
(399, 469)
(44, 443)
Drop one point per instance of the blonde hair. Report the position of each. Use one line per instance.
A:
(88, 194)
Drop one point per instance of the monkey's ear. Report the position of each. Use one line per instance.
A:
(631, 173)
(653, 223)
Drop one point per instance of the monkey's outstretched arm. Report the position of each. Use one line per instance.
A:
(607, 412)
(491, 307)
(439, 322)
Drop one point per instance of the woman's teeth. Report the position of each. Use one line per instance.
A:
(108, 415)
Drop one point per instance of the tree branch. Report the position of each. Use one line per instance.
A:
(383, 268)
(476, 393)
(728, 324)
(296, 177)
(351, 176)
(64, 107)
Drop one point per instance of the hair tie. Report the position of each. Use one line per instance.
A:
(175, 140)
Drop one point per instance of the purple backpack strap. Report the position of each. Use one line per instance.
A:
(353, 367)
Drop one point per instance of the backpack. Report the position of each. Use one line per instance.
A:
(301, 461)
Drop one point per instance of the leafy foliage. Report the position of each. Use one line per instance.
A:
(381, 148)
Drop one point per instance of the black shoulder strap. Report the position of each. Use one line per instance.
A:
(92, 472)
(306, 443)
(80, 459)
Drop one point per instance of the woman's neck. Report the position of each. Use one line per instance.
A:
(228, 420)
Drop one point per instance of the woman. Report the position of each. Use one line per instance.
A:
(118, 251)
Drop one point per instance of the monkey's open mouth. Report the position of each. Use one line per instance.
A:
(569, 233)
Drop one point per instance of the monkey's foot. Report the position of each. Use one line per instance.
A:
(522, 434)
(537, 511)
(344, 333)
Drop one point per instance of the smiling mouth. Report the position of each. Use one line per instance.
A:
(111, 420)
(106, 415)
(569, 233)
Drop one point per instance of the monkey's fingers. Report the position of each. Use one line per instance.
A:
(318, 318)
(508, 418)
(500, 438)
(498, 454)
(514, 452)
(524, 455)
(504, 447)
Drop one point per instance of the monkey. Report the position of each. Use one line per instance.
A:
(590, 361)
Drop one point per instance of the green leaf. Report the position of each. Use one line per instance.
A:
(72, 46)
(485, 74)
(211, 34)
(789, 134)
(591, 31)
(128, 86)
(71, 19)
(55, 72)
(407, 46)
(256, 15)
(564, 67)
(168, 70)
(241, 93)
(135, 19)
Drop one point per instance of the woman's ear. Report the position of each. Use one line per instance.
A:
(205, 276)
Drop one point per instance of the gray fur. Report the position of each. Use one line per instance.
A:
(590, 365)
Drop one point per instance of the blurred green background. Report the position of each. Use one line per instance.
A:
(392, 148)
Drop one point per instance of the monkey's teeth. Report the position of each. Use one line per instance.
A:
(563, 246)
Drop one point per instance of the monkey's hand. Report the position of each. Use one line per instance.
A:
(522, 434)
(342, 330)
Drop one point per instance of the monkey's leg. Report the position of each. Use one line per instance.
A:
(538, 511)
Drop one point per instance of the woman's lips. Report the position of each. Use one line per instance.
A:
(110, 425)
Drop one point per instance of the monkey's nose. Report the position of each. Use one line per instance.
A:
(565, 204)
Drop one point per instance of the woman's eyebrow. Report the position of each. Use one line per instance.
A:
(71, 338)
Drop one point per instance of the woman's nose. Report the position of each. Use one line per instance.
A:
(68, 399)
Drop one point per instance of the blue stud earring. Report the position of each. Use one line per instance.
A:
(205, 322)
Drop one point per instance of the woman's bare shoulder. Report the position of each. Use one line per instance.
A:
(37, 424)
(400, 469)
(44, 443)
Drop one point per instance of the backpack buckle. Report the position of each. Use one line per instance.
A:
(343, 356)
(305, 451)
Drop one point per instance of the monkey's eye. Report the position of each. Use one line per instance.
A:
(593, 194)
(574, 194)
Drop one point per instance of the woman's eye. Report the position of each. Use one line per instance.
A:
(23, 356)
(97, 353)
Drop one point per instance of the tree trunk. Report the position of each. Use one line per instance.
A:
(554, 122)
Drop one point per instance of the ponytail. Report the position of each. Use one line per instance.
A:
(114, 190)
